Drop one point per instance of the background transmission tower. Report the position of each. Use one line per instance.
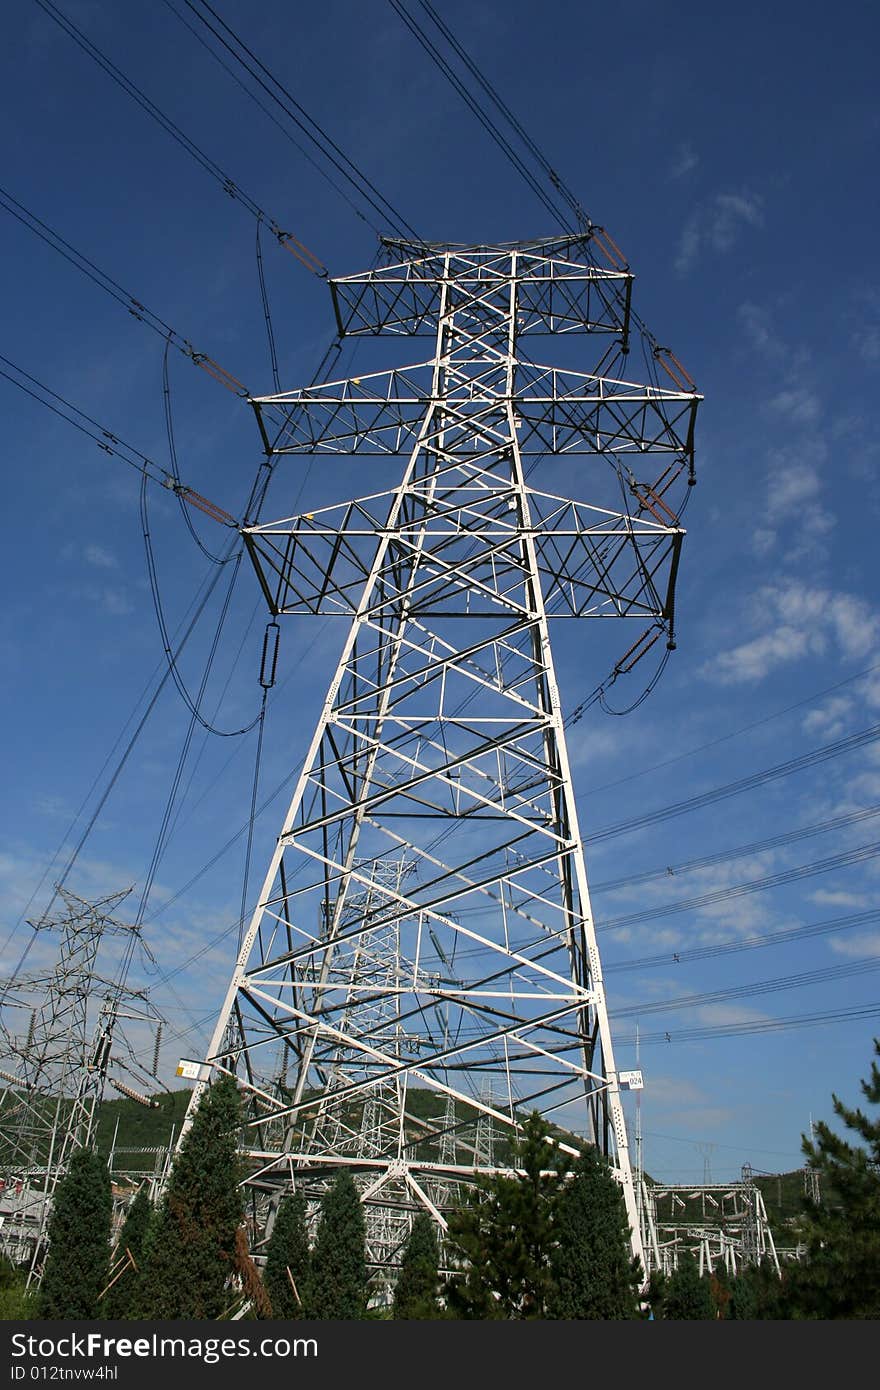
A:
(441, 743)
(60, 1037)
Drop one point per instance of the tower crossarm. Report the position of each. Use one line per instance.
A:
(554, 295)
(592, 562)
(556, 411)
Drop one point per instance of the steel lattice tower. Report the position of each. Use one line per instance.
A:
(56, 1068)
(441, 743)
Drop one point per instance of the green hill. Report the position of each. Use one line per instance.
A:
(140, 1128)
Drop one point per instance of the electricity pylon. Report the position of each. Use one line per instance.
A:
(55, 1067)
(441, 742)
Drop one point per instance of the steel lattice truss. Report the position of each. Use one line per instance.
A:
(58, 1032)
(470, 972)
(721, 1224)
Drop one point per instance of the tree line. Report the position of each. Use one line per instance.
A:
(548, 1240)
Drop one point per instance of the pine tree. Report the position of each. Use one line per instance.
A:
(337, 1285)
(687, 1296)
(721, 1291)
(17, 1302)
(656, 1292)
(415, 1294)
(78, 1262)
(287, 1258)
(594, 1273)
(840, 1276)
(121, 1299)
(255, 1302)
(503, 1238)
(190, 1249)
(758, 1294)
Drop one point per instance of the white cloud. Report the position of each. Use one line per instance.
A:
(836, 897)
(109, 598)
(763, 540)
(790, 486)
(752, 661)
(723, 1014)
(587, 746)
(794, 486)
(100, 558)
(715, 225)
(868, 944)
(798, 621)
(758, 328)
(797, 405)
(867, 342)
(869, 689)
(830, 719)
(686, 159)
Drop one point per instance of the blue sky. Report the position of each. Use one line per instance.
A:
(731, 154)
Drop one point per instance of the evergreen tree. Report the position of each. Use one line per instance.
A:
(758, 1294)
(287, 1258)
(78, 1261)
(190, 1250)
(255, 1301)
(594, 1273)
(656, 1292)
(337, 1285)
(415, 1294)
(121, 1299)
(721, 1290)
(840, 1276)
(17, 1302)
(503, 1238)
(688, 1296)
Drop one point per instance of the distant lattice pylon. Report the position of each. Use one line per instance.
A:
(56, 1038)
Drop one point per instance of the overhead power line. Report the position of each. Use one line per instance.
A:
(228, 184)
(112, 287)
(655, 354)
(279, 125)
(737, 733)
(747, 943)
(756, 779)
(106, 440)
(485, 121)
(754, 885)
(537, 153)
(296, 112)
(781, 982)
(110, 442)
(724, 856)
(758, 1026)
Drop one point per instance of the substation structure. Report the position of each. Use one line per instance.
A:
(721, 1225)
(421, 969)
(62, 1041)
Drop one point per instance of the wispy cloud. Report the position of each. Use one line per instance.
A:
(797, 405)
(794, 487)
(100, 558)
(867, 342)
(830, 719)
(716, 225)
(686, 160)
(111, 599)
(797, 620)
(790, 485)
(867, 944)
(837, 897)
(720, 1015)
(760, 330)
